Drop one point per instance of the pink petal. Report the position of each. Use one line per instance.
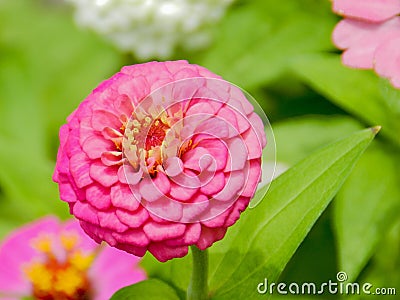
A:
(67, 192)
(124, 105)
(133, 219)
(200, 108)
(192, 210)
(239, 206)
(138, 251)
(173, 166)
(239, 101)
(253, 143)
(238, 154)
(215, 185)
(103, 118)
(98, 196)
(214, 127)
(234, 183)
(209, 236)
(122, 197)
(16, 251)
(99, 234)
(105, 175)
(85, 212)
(182, 192)
(134, 237)
(127, 175)
(218, 150)
(153, 189)
(387, 60)
(218, 219)
(190, 237)
(164, 253)
(159, 232)
(166, 209)
(361, 40)
(85, 243)
(109, 220)
(253, 177)
(112, 270)
(193, 159)
(111, 158)
(94, 146)
(79, 168)
(258, 126)
(370, 10)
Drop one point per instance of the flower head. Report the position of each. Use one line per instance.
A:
(151, 28)
(370, 35)
(52, 260)
(160, 156)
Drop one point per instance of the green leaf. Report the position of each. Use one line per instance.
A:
(175, 272)
(298, 137)
(265, 238)
(359, 92)
(256, 41)
(366, 207)
(151, 289)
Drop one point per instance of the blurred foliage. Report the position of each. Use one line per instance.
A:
(280, 51)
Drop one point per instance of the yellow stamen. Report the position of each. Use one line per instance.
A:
(81, 261)
(69, 241)
(43, 244)
(54, 278)
(39, 275)
(68, 281)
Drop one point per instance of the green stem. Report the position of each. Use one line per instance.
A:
(198, 288)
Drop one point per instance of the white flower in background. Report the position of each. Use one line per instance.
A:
(152, 28)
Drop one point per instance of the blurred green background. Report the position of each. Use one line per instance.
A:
(281, 53)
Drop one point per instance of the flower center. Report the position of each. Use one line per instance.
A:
(144, 140)
(156, 135)
(62, 274)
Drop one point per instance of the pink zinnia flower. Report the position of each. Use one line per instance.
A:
(161, 156)
(370, 35)
(48, 259)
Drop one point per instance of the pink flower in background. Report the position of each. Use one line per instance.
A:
(370, 35)
(159, 157)
(48, 259)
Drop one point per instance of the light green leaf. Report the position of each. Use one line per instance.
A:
(366, 207)
(359, 92)
(265, 238)
(151, 289)
(298, 137)
(256, 41)
(175, 272)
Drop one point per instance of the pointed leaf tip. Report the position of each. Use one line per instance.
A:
(376, 129)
